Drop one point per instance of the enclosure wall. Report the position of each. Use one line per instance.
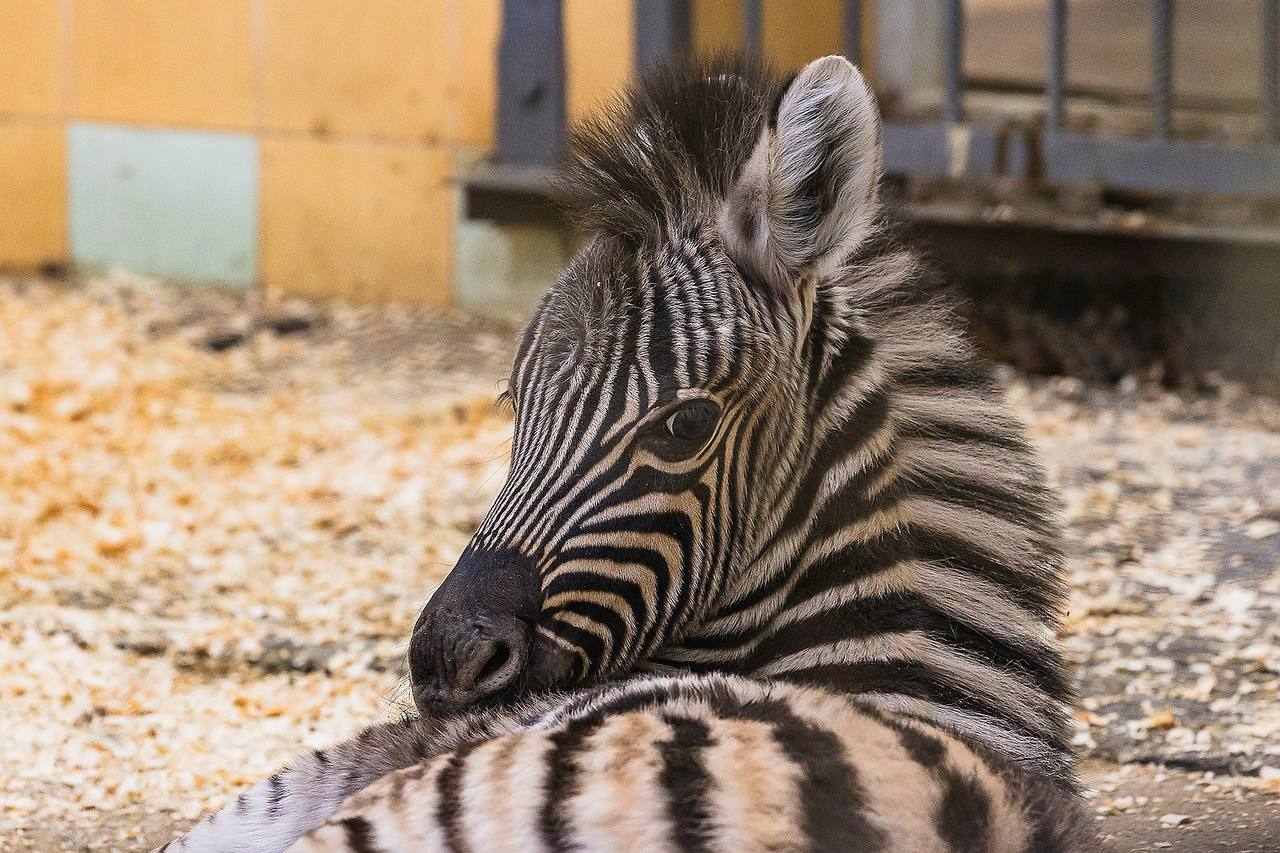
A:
(313, 146)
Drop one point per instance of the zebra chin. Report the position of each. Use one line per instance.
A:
(476, 642)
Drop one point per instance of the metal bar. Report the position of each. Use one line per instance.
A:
(941, 150)
(1173, 165)
(1056, 81)
(752, 26)
(953, 63)
(1269, 92)
(853, 31)
(531, 114)
(1162, 69)
(661, 28)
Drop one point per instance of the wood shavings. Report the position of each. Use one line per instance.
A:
(211, 556)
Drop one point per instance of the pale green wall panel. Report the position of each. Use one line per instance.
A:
(179, 204)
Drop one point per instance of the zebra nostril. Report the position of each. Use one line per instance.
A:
(493, 666)
(491, 663)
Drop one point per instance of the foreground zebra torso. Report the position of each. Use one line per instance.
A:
(749, 444)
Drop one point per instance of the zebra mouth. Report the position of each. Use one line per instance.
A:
(478, 642)
(459, 661)
(491, 664)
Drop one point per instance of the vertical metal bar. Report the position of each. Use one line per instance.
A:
(752, 27)
(1056, 81)
(531, 82)
(953, 68)
(853, 31)
(1269, 92)
(661, 28)
(1162, 69)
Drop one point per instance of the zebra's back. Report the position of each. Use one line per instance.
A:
(710, 763)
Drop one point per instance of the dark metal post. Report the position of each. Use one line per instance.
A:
(853, 31)
(661, 28)
(1269, 92)
(953, 69)
(752, 27)
(1162, 69)
(531, 83)
(1056, 83)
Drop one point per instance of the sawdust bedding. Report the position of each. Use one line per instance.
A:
(221, 513)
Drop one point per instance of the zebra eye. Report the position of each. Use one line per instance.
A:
(693, 421)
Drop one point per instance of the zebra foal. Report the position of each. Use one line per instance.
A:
(772, 570)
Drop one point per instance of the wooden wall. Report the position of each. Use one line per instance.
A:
(308, 145)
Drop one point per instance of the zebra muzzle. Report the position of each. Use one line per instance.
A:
(474, 639)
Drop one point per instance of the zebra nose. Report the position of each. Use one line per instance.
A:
(472, 641)
(459, 661)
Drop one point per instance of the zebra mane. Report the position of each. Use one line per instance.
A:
(645, 166)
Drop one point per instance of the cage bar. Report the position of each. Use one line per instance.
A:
(661, 28)
(852, 31)
(752, 26)
(953, 63)
(1056, 79)
(1162, 69)
(531, 108)
(1269, 91)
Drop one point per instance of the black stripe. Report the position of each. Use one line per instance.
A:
(449, 808)
(948, 374)
(942, 430)
(925, 749)
(359, 834)
(562, 781)
(902, 612)
(854, 355)
(834, 804)
(1040, 596)
(914, 679)
(1028, 506)
(963, 818)
(275, 794)
(687, 783)
(815, 344)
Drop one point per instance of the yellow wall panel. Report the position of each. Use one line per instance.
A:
(599, 51)
(364, 221)
(795, 31)
(168, 62)
(33, 193)
(799, 31)
(475, 71)
(30, 57)
(716, 25)
(366, 67)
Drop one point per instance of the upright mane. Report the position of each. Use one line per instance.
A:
(668, 148)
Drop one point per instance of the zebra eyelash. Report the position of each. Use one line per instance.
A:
(505, 400)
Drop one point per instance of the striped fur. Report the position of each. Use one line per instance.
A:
(848, 584)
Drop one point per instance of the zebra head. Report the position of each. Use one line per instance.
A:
(661, 385)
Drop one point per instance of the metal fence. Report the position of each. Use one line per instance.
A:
(531, 118)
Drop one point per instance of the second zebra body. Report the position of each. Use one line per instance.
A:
(773, 568)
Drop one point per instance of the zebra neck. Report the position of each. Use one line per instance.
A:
(916, 567)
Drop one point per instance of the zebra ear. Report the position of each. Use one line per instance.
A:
(808, 195)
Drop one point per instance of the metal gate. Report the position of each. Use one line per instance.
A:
(953, 144)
